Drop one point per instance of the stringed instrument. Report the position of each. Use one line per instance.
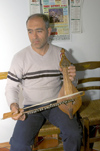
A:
(68, 88)
(69, 99)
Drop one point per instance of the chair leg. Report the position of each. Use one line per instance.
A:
(34, 147)
(86, 134)
(83, 141)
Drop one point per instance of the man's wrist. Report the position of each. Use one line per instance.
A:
(14, 105)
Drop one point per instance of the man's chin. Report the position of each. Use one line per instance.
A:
(36, 47)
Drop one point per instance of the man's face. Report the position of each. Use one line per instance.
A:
(37, 32)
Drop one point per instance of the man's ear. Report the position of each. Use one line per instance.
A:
(49, 31)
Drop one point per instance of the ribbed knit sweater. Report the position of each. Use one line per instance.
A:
(38, 75)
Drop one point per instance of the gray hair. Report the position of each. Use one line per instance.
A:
(43, 16)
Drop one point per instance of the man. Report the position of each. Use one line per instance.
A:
(36, 68)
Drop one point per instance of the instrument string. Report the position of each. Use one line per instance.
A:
(66, 96)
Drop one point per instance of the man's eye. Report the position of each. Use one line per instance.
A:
(29, 31)
(39, 31)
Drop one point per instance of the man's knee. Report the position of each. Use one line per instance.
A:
(72, 135)
(19, 146)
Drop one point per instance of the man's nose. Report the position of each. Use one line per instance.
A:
(34, 34)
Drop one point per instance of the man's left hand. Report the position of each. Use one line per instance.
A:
(72, 72)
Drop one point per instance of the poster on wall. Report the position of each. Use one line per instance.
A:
(34, 6)
(75, 16)
(58, 13)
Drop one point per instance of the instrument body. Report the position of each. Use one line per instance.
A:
(68, 88)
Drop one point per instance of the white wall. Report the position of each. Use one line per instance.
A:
(13, 37)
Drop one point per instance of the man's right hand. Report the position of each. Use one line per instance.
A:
(15, 109)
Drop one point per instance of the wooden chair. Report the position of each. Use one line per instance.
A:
(90, 109)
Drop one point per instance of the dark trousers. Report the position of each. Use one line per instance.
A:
(25, 131)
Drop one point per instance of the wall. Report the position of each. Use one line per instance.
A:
(13, 37)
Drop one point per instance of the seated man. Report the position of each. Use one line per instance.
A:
(36, 68)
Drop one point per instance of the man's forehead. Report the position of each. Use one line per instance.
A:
(38, 19)
(30, 29)
(35, 26)
(36, 23)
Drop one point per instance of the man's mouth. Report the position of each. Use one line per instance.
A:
(36, 42)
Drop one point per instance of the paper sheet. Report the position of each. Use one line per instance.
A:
(75, 16)
(34, 6)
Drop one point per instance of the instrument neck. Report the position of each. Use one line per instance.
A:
(67, 82)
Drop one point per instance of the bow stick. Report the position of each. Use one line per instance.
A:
(67, 97)
(70, 96)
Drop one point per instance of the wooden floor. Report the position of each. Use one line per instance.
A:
(6, 147)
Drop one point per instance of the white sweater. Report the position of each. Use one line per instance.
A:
(39, 76)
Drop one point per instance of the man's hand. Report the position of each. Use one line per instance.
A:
(71, 72)
(15, 109)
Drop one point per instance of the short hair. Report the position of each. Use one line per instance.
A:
(43, 16)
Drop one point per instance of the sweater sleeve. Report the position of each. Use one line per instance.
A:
(14, 79)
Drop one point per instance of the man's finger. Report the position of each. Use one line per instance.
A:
(17, 116)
